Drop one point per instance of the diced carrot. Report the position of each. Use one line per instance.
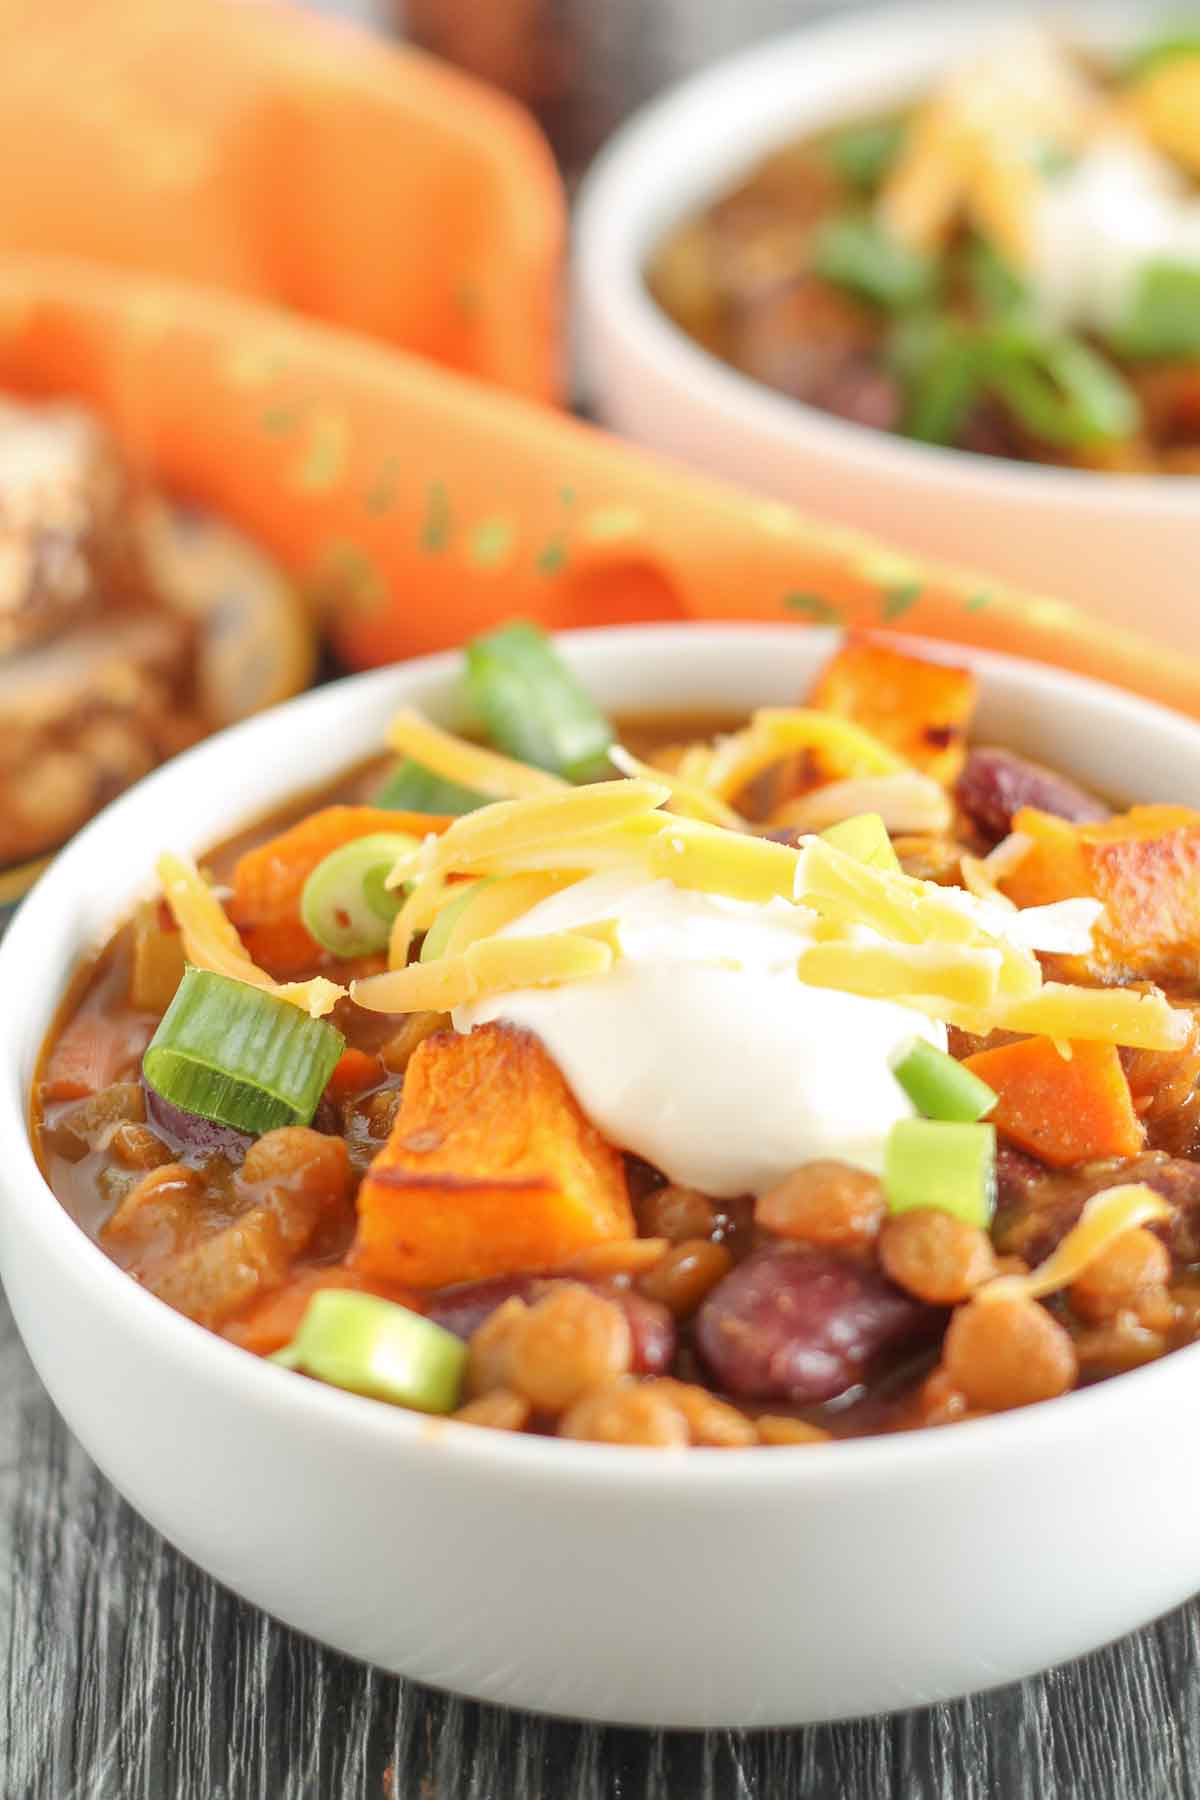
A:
(272, 1322)
(269, 880)
(920, 709)
(354, 1071)
(1065, 1110)
(491, 1168)
(1144, 865)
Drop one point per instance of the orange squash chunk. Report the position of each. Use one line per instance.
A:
(269, 880)
(491, 1168)
(1064, 1110)
(919, 709)
(1143, 865)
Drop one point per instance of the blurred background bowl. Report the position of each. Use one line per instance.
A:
(1125, 547)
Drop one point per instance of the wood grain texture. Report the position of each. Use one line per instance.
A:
(126, 1674)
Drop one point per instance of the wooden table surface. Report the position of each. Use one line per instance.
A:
(126, 1672)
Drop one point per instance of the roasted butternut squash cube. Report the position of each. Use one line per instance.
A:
(491, 1168)
(1143, 865)
(918, 708)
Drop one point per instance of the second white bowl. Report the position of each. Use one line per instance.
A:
(1124, 547)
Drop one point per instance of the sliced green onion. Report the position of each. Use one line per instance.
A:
(943, 369)
(532, 706)
(941, 1088)
(1183, 41)
(1164, 317)
(951, 1167)
(1061, 390)
(345, 904)
(411, 788)
(996, 287)
(374, 1347)
(863, 154)
(240, 1056)
(853, 252)
(864, 837)
(438, 933)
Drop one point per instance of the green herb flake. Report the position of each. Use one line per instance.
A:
(437, 526)
(899, 600)
(814, 607)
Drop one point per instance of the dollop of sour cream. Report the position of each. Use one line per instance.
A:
(701, 1050)
(1101, 223)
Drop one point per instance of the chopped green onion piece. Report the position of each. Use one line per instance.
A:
(435, 938)
(1060, 389)
(943, 369)
(1184, 41)
(374, 1347)
(240, 1056)
(865, 837)
(533, 707)
(1164, 318)
(411, 788)
(997, 289)
(941, 1088)
(853, 252)
(863, 154)
(951, 1167)
(345, 904)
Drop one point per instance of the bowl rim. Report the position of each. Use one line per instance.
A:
(619, 215)
(515, 1456)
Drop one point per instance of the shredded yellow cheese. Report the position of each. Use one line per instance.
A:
(907, 802)
(964, 976)
(905, 910)
(1107, 1216)
(1008, 855)
(712, 861)
(977, 146)
(494, 834)
(978, 881)
(495, 904)
(1165, 107)
(687, 797)
(469, 764)
(494, 965)
(1098, 1015)
(776, 732)
(211, 942)
(489, 840)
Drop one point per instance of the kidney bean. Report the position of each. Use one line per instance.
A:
(188, 1131)
(801, 1326)
(462, 1309)
(995, 784)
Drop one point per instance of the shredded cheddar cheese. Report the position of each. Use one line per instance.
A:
(493, 965)
(469, 764)
(908, 802)
(495, 904)
(1107, 1216)
(776, 732)
(687, 797)
(978, 145)
(211, 942)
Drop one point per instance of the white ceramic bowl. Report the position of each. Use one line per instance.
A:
(1125, 547)
(754, 1587)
